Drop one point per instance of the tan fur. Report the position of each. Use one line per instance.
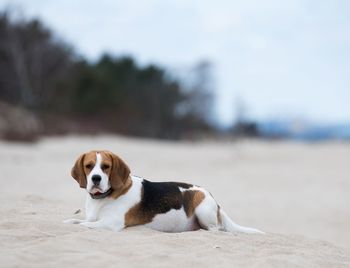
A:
(191, 200)
(127, 185)
(77, 171)
(135, 216)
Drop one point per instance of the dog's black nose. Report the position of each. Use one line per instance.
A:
(96, 179)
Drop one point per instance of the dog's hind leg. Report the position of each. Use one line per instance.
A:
(206, 214)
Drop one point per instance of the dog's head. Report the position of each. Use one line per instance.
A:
(100, 172)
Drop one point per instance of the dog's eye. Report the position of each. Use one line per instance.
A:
(89, 166)
(104, 166)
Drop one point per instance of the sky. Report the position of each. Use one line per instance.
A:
(277, 59)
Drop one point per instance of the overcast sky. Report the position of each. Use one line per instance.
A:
(283, 58)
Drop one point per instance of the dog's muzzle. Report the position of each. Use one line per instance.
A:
(99, 195)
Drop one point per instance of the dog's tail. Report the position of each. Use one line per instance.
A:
(229, 226)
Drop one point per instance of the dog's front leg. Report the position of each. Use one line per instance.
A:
(91, 212)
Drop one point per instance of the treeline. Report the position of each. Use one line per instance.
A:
(67, 93)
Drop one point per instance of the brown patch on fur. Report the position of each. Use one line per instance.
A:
(127, 185)
(136, 216)
(191, 200)
(77, 171)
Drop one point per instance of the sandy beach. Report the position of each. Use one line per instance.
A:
(297, 193)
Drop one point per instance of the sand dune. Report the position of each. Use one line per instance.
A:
(297, 193)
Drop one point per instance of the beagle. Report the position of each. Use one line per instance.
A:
(116, 200)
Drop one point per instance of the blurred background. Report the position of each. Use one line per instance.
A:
(175, 69)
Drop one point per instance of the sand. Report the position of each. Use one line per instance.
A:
(297, 193)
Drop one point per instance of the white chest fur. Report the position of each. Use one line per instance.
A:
(110, 213)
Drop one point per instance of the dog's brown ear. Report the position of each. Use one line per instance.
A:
(78, 171)
(119, 173)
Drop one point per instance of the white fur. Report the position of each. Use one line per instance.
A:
(173, 221)
(104, 184)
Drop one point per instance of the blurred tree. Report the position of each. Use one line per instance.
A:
(196, 108)
(43, 74)
(138, 101)
(32, 62)
(201, 91)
